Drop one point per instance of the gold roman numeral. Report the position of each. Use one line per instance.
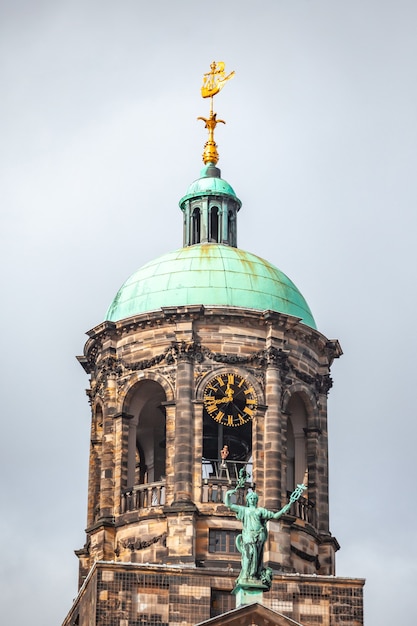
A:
(219, 416)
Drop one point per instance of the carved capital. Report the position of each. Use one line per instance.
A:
(324, 383)
(189, 351)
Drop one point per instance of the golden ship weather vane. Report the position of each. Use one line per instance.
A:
(213, 82)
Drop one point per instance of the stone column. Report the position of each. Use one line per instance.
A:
(275, 425)
(180, 514)
(197, 451)
(170, 461)
(183, 427)
(224, 222)
(107, 464)
(322, 460)
(314, 475)
(121, 450)
(96, 443)
(272, 447)
(204, 219)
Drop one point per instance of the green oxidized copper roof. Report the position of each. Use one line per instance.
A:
(209, 274)
(208, 184)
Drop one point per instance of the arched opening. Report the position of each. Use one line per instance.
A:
(290, 457)
(196, 226)
(218, 468)
(146, 450)
(297, 471)
(214, 225)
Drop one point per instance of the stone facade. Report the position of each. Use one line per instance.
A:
(116, 594)
(156, 485)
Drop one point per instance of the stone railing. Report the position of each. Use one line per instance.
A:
(143, 496)
(216, 480)
(303, 509)
(219, 476)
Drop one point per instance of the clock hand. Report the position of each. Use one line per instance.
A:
(221, 400)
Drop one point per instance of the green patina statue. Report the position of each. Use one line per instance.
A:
(254, 533)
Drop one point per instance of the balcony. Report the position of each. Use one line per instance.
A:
(143, 496)
(217, 478)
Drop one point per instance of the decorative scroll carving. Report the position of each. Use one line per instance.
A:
(257, 358)
(112, 367)
(137, 544)
(146, 363)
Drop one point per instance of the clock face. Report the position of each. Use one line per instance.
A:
(230, 399)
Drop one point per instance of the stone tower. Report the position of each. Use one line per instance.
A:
(182, 333)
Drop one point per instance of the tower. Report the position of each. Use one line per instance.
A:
(204, 349)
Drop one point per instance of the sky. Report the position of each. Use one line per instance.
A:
(99, 140)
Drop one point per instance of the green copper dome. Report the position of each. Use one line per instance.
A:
(212, 275)
(210, 183)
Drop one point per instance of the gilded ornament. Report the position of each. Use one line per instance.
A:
(213, 82)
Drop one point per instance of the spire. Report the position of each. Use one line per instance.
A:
(210, 205)
(213, 82)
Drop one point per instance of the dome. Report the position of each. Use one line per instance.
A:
(210, 183)
(204, 186)
(211, 275)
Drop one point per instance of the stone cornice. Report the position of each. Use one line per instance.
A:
(288, 323)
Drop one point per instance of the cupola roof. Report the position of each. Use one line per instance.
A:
(211, 275)
(210, 183)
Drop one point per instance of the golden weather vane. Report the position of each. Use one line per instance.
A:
(213, 82)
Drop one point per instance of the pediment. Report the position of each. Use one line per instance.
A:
(251, 615)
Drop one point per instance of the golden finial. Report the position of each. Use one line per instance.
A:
(213, 82)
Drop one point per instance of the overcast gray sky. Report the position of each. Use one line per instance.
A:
(99, 140)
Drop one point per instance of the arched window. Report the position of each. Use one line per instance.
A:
(146, 457)
(296, 443)
(196, 226)
(214, 225)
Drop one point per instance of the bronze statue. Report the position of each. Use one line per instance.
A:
(254, 533)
